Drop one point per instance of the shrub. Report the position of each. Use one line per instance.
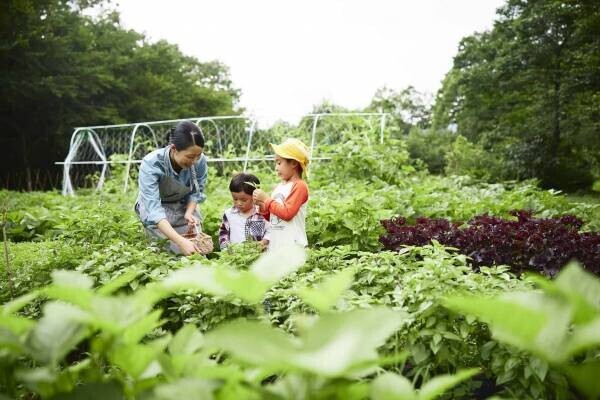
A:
(527, 243)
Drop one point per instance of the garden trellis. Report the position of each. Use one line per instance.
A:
(229, 139)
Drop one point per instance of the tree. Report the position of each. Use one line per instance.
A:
(530, 89)
(60, 69)
(408, 107)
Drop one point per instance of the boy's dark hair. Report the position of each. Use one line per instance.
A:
(238, 183)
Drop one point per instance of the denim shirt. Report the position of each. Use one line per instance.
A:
(157, 165)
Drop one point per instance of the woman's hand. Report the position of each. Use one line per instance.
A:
(187, 247)
(191, 219)
(259, 196)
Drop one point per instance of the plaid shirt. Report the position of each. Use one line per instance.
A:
(235, 228)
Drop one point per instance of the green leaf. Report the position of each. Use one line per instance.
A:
(584, 337)
(253, 342)
(529, 320)
(134, 359)
(119, 282)
(20, 302)
(338, 341)
(186, 341)
(390, 386)
(186, 388)
(93, 391)
(278, 263)
(440, 384)
(74, 295)
(138, 330)
(16, 324)
(198, 278)
(324, 296)
(116, 313)
(575, 279)
(585, 378)
(243, 285)
(582, 289)
(539, 367)
(57, 332)
(72, 279)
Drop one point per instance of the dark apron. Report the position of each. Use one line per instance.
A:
(172, 194)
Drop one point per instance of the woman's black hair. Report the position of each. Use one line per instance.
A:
(184, 135)
(239, 183)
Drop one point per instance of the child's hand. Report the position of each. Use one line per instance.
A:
(263, 244)
(259, 196)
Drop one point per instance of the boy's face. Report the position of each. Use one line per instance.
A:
(242, 201)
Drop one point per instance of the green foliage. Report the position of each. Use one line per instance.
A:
(396, 387)
(557, 324)
(143, 330)
(360, 157)
(431, 147)
(61, 68)
(408, 108)
(527, 91)
(466, 158)
(125, 359)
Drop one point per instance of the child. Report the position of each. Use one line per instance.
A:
(243, 221)
(286, 209)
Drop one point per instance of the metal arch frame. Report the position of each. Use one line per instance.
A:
(76, 139)
(250, 132)
(250, 135)
(132, 149)
(200, 120)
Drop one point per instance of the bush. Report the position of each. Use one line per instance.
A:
(527, 243)
(358, 158)
(431, 147)
(466, 158)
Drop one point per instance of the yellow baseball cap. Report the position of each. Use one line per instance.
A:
(293, 149)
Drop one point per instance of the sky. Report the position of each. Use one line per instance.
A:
(287, 56)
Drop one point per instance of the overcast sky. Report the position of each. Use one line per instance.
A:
(287, 56)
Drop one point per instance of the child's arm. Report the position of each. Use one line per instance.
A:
(263, 211)
(291, 205)
(266, 236)
(224, 233)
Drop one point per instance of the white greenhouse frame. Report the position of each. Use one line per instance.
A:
(89, 133)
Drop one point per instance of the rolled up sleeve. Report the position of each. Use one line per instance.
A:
(149, 194)
(202, 174)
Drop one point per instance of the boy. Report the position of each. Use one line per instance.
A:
(243, 221)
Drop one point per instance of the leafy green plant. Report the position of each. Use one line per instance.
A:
(99, 342)
(560, 323)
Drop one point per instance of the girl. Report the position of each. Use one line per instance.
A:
(286, 208)
(171, 184)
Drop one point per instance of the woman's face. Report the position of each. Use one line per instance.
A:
(188, 157)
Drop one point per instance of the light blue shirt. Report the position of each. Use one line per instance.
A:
(157, 165)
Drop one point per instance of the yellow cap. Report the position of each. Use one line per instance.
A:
(293, 149)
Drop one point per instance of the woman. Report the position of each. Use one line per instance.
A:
(171, 184)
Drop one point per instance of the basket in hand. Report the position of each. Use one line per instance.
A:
(200, 239)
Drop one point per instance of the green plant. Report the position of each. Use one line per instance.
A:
(559, 324)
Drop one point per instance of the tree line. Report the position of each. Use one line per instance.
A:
(61, 68)
(522, 100)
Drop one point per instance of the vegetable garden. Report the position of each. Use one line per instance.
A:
(414, 286)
